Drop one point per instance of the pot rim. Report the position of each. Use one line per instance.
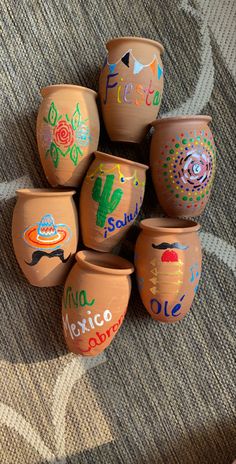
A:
(44, 192)
(137, 39)
(160, 224)
(90, 260)
(102, 155)
(44, 91)
(194, 117)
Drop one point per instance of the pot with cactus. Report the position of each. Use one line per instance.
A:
(110, 200)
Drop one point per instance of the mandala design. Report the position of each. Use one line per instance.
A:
(187, 167)
(65, 135)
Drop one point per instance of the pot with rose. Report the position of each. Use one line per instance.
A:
(67, 132)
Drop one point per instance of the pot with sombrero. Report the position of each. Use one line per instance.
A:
(45, 234)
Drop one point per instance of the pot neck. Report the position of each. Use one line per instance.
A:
(116, 159)
(42, 193)
(179, 122)
(104, 263)
(45, 91)
(169, 226)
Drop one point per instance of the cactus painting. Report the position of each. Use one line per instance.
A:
(107, 201)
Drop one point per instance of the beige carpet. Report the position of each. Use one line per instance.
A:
(159, 394)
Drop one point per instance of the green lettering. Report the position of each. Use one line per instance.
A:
(156, 98)
(83, 299)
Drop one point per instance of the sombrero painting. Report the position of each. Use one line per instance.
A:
(46, 234)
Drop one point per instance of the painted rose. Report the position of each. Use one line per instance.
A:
(63, 134)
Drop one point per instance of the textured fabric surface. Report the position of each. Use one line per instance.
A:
(159, 394)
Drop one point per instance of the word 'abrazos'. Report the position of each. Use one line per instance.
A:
(103, 337)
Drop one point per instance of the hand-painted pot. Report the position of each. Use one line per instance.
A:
(45, 234)
(95, 301)
(168, 266)
(110, 200)
(130, 87)
(183, 159)
(67, 132)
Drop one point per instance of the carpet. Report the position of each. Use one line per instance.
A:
(159, 394)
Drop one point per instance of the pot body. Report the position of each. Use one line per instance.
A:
(45, 235)
(131, 87)
(168, 269)
(67, 133)
(182, 160)
(110, 200)
(94, 304)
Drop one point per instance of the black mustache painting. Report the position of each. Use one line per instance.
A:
(37, 255)
(165, 246)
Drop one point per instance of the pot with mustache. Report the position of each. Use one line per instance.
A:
(183, 162)
(45, 234)
(95, 301)
(168, 266)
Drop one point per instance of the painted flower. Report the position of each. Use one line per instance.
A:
(63, 134)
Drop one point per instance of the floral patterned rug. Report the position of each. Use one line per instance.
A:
(159, 394)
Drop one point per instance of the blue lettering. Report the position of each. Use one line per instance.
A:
(155, 306)
(136, 210)
(175, 309)
(111, 223)
(119, 224)
(165, 309)
(110, 86)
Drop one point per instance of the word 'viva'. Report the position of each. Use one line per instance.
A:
(75, 300)
(130, 92)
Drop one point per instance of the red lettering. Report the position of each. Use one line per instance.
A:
(149, 92)
(140, 91)
(93, 342)
(102, 337)
(108, 332)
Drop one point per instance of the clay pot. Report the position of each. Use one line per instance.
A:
(183, 159)
(45, 234)
(67, 132)
(95, 301)
(168, 266)
(110, 200)
(130, 87)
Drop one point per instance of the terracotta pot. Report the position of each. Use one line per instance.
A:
(168, 266)
(110, 200)
(95, 301)
(67, 132)
(183, 159)
(130, 87)
(45, 225)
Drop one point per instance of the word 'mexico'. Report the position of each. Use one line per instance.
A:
(131, 93)
(119, 223)
(81, 327)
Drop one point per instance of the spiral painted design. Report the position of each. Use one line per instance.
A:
(187, 168)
